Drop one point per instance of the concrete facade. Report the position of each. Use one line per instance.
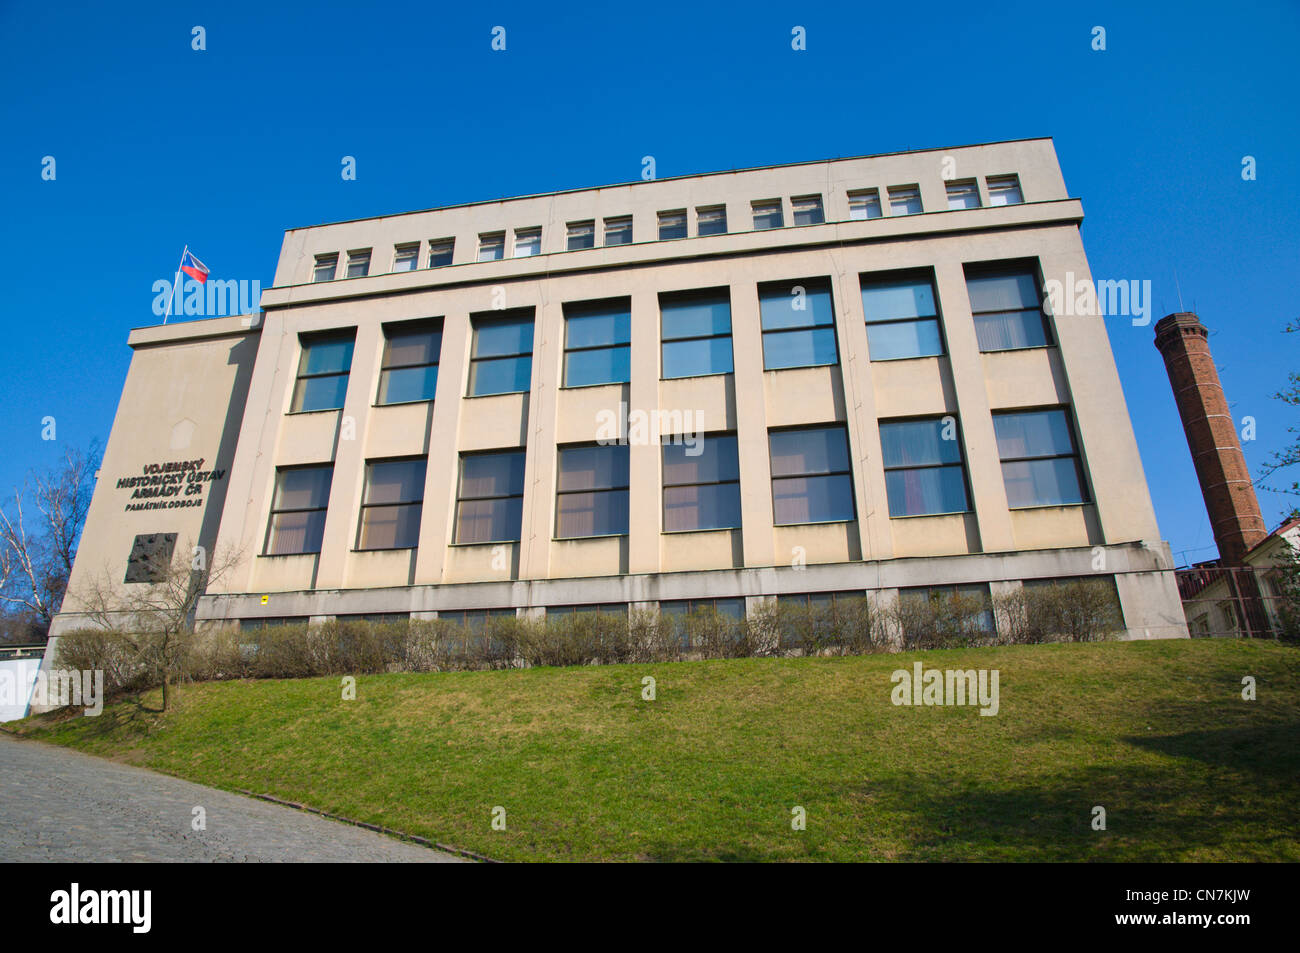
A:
(220, 391)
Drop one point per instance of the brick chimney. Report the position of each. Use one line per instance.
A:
(1212, 436)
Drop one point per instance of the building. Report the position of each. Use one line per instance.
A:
(800, 381)
(1246, 599)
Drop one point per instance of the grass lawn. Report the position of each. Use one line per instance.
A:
(1155, 732)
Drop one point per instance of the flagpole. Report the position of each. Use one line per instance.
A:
(175, 283)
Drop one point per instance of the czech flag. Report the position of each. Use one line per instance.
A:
(193, 267)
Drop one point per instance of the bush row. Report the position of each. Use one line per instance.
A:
(1082, 611)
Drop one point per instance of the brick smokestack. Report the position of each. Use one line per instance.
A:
(1212, 436)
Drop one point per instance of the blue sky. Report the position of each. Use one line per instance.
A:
(157, 145)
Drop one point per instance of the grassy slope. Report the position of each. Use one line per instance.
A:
(1156, 732)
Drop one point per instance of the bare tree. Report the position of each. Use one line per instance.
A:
(156, 620)
(39, 532)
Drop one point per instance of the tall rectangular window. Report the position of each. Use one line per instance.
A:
(490, 500)
(902, 318)
(924, 474)
(391, 504)
(326, 267)
(767, 214)
(581, 235)
(591, 496)
(618, 231)
(964, 194)
(672, 224)
(440, 252)
(812, 481)
(410, 367)
(696, 333)
(597, 342)
(711, 220)
(492, 246)
(359, 263)
(1007, 307)
(798, 320)
(864, 203)
(1004, 190)
(528, 242)
(297, 524)
(323, 371)
(807, 210)
(406, 257)
(1040, 465)
(501, 357)
(904, 200)
(702, 485)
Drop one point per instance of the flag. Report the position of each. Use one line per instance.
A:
(193, 267)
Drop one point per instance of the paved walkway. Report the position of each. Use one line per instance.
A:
(57, 804)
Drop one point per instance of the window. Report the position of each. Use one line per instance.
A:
(696, 327)
(1079, 587)
(595, 608)
(807, 210)
(359, 263)
(375, 618)
(1006, 306)
(618, 231)
(711, 220)
(474, 620)
(440, 252)
(581, 235)
(958, 608)
(501, 359)
(406, 257)
(864, 203)
(591, 497)
(1004, 190)
(688, 616)
(298, 510)
(391, 505)
(728, 608)
(923, 467)
(964, 194)
(904, 200)
(902, 319)
(323, 372)
(597, 342)
(811, 480)
(702, 490)
(767, 214)
(490, 501)
(1040, 466)
(151, 557)
(798, 320)
(821, 600)
(528, 242)
(326, 266)
(410, 368)
(269, 622)
(492, 246)
(672, 224)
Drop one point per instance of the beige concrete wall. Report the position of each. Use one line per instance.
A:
(183, 400)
